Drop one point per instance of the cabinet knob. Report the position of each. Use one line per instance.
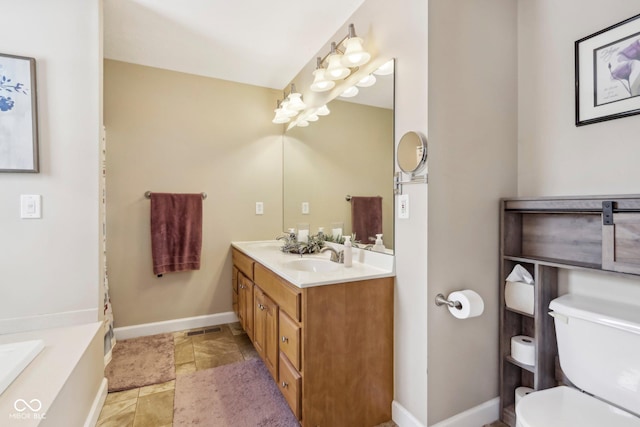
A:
(284, 384)
(285, 339)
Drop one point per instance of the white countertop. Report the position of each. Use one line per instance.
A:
(366, 264)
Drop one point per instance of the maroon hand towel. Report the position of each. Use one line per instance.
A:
(366, 217)
(176, 232)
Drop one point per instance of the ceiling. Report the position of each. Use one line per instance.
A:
(257, 42)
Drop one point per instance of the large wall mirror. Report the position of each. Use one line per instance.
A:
(350, 152)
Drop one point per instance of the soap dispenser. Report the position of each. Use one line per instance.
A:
(348, 252)
(379, 246)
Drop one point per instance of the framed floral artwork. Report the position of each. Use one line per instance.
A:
(18, 114)
(608, 73)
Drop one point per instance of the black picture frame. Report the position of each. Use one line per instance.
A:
(607, 73)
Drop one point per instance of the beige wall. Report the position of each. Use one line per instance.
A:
(399, 30)
(350, 152)
(555, 157)
(175, 132)
(472, 155)
(49, 266)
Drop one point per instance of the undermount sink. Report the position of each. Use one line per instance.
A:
(314, 265)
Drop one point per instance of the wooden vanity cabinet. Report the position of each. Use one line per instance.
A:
(330, 347)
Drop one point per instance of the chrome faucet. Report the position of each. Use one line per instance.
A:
(335, 255)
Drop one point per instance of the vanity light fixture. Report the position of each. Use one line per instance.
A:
(335, 69)
(282, 115)
(320, 82)
(350, 92)
(295, 100)
(367, 81)
(385, 69)
(354, 54)
(323, 110)
(311, 117)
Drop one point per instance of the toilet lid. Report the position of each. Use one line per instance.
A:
(567, 407)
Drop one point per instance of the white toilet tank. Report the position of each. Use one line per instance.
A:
(599, 347)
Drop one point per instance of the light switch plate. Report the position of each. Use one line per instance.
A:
(403, 206)
(259, 208)
(30, 206)
(305, 208)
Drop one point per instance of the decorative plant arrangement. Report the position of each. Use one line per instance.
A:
(293, 246)
(316, 242)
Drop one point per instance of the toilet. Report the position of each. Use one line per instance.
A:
(599, 351)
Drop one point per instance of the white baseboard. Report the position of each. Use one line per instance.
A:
(98, 402)
(402, 417)
(477, 416)
(48, 321)
(174, 325)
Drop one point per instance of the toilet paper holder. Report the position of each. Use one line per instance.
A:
(441, 300)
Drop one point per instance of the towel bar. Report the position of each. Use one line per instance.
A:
(147, 195)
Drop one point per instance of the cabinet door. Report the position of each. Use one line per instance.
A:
(234, 291)
(245, 306)
(621, 243)
(265, 334)
(271, 336)
(258, 321)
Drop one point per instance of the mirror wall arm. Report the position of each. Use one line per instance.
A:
(399, 182)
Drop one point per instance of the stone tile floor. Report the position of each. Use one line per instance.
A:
(152, 406)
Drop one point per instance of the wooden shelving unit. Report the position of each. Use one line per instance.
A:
(544, 235)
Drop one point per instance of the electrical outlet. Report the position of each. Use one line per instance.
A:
(259, 208)
(305, 208)
(403, 206)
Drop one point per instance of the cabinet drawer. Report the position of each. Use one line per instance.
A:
(284, 294)
(242, 263)
(290, 339)
(290, 384)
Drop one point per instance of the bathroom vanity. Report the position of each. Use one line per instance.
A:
(544, 235)
(325, 332)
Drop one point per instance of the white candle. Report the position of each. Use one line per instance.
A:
(336, 232)
(303, 236)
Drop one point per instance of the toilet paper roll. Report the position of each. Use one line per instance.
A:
(522, 392)
(472, 304)
(519, 296)
(523, 349)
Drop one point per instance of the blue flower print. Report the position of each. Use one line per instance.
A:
(6, 104)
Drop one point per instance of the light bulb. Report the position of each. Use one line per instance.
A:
(385, 69)
(320, 82)
(350, 92)
(323, 111)
(295, 102)
(354, 55)
(335, 69)
(367, 81)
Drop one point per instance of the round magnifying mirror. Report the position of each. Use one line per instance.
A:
(412, 152)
